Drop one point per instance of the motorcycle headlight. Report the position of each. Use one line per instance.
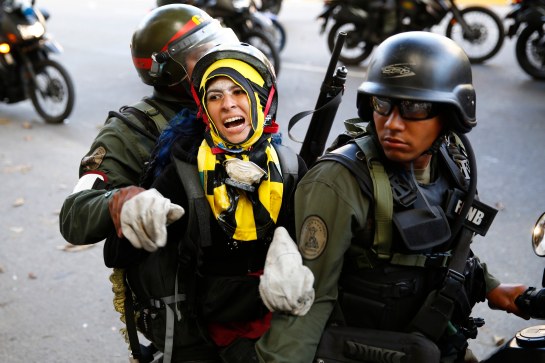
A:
(35, 30)
(4, 48)
(241, 4)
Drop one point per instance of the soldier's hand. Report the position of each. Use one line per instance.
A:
(142, 216)
(503, 298)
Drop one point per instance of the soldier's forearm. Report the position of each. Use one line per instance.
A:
(84, 217)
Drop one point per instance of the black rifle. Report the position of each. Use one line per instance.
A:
(325, 110)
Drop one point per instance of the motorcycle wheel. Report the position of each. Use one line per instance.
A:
(530, 51)
(355, 49)
(53, 92)
(487, 33)
(279, 34)
(265, 45)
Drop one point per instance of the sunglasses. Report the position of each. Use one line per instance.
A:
(409, 110)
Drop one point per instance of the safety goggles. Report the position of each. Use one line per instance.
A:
(409, 110)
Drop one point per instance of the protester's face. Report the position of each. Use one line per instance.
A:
(229, 108)
(405, 141)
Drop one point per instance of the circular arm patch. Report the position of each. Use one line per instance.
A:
(313, 238)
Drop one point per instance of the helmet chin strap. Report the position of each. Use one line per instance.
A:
(434, 148)
(272, 127)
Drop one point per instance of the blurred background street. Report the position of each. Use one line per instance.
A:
(56, 301)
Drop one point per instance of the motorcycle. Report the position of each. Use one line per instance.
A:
(477, 29)
(528, 345)
(527, 22)
(26, 71)
(272, 6)
(279, 33)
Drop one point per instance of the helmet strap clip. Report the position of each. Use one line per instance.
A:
(158, 60)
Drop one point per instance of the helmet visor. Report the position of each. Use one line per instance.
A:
(188, 50)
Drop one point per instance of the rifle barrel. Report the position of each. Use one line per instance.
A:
(322, 120)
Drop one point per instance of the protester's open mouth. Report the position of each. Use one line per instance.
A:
(233, 122)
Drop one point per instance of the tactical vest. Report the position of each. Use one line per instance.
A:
(388, 271)
(172, 295)
(147, 119)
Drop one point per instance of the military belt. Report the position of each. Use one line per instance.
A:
(423, 260)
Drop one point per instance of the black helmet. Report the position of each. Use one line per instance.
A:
(169, 38)
(250, 55)
(421, 66)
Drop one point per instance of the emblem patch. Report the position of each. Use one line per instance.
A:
(94, 160)
(398, 70)
(313, 238)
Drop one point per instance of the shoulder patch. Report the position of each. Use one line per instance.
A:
(93, 161)
(313, 237)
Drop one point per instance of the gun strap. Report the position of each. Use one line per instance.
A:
(132, 125)
(190, 178)
(149, 116)
(434, 316)
(130, 321)
(151, 111)
(333, 102)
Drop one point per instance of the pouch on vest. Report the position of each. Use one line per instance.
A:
(422, 228)
(384, 298)
(354, 345)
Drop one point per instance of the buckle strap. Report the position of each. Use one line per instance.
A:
(403, 191)
(170, 319)
(399, 289)
(453, 285)
(422, 260)
(161, 303)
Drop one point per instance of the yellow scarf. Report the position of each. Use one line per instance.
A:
(243, 215)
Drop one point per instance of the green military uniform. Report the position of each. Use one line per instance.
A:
(119, 154)
(333, 214)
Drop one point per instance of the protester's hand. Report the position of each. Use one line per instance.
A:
(503, 298)
(286, 285)
(142, 215)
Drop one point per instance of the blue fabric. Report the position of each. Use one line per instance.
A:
(183, 125)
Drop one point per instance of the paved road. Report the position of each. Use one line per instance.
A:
(55, 305)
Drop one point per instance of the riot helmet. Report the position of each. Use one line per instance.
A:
(170, 39)
(248, 67)
(421, 66)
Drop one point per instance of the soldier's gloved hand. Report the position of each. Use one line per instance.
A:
(286, 284)
(142, 215)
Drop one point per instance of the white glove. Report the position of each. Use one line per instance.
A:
(144, 219)
(286, 285)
